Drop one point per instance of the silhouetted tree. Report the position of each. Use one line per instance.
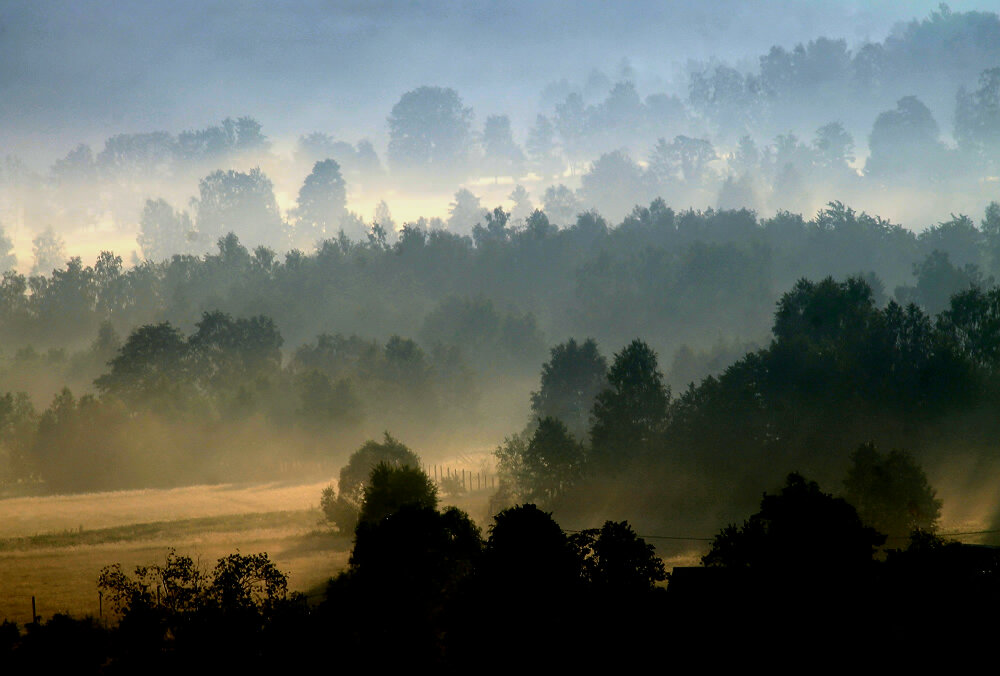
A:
(891, 492)
(800, 529)
(552, 462)
(630, 414)
(570, 381)
(342, 510)
(391, 487)
(616, 560)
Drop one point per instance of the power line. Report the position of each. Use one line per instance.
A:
(693, 538)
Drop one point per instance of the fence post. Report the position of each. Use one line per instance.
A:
(34, 615)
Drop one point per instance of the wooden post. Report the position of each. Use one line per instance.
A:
(34, 615)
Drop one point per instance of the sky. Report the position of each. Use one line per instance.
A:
(74, 71)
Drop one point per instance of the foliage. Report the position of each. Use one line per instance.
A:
(615, 558)
(391, 487)
(343, 509)
(799, 529)
(429, 128)
(630, 414)
(891, 492)
(570, 381)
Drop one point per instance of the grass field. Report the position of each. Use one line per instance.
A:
(54, 547)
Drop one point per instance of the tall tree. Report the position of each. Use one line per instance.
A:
(7, 258)
(570, 382)
(49, 252)
(164, 232)
(501, 154)
(429, 128)
(242, 203)
(322, 202)
(630, 414)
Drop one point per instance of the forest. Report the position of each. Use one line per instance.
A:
(752, 310)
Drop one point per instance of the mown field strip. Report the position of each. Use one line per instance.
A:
(180, 530)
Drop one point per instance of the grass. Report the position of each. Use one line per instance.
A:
(178, 530)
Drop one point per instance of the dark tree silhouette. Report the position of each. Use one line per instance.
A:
(391, 487)
(891, 492)
(571, 379)
(617, 560)
(552, 462)
(343, 509)
(800, 529)
(630, 415)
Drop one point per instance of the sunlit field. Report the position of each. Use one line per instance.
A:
(53, 547)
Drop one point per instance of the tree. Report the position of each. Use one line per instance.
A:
(904, 142)
(391, 487)
(614, 184)
(238, 584)
(685, 159)
(49, 252)
(429, 129)
(541, 144)
(383, 217)
(800, 530)
(502, 154)
(322, 202)
(561, 205)
(465, 212)
(527, 550)
(891, 492)
(78, 165)
(241, 203)
(977, 117)
(494, 231)
(227, 353)
(7, 258)
(551, 464)
(834, 146)
(522, 204)
(615, 559)
(150, 366)
(571, 380)
(342, 509)
(630, 414)
(164, 232)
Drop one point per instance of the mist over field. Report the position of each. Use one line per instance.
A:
(617, 310)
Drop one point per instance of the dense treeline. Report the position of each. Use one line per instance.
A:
(783, 135)
(685, 276)
(804, 575)
(223, 345)
(841, 371)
